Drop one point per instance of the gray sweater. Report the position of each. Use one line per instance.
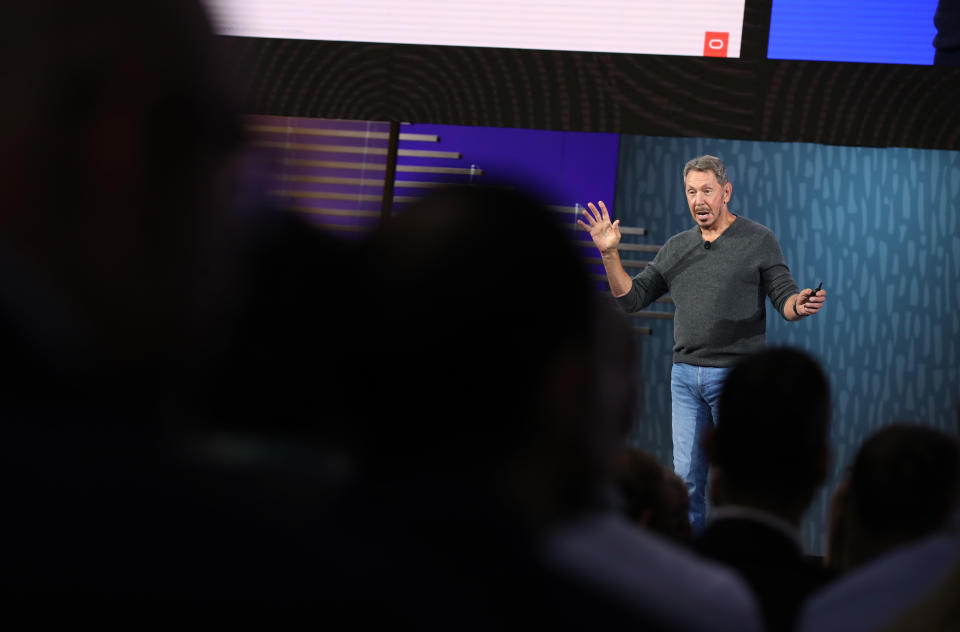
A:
(719, 293)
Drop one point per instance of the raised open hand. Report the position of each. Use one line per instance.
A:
(605, 234)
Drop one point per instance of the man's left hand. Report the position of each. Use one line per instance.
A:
(810, 302)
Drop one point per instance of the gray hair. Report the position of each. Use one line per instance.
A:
(707, 163)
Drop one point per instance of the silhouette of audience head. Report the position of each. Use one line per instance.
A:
(946, 43)
(119, 255)
(654, 496)
(116, 130)
(769, 448)
(903, 484)
(485, 357)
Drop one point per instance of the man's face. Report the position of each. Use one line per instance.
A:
(706, 198)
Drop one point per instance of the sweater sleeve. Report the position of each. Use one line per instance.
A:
(777, 278)
(647, 287)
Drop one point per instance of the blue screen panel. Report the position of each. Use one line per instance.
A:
(871, 31)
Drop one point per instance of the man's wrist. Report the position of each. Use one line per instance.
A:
(610, 255)
(797, 300)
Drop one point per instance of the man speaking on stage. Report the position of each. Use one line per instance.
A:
(718, 273)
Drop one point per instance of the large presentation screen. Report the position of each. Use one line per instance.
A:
(711, 28)
(869, 31)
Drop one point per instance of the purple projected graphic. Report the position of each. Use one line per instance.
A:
(333, 171)
(330, 171)
(564, 169)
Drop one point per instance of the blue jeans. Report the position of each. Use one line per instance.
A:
(695, 392)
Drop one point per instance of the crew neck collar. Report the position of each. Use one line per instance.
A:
(703, 237)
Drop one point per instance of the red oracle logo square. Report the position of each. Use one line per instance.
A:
(715, 44)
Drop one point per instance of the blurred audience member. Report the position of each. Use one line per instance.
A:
(768, 454)
(905, 581)
(117, 141)
(938, 611)
(895, 530)
(497, 404)
(141, 468)
(654, 496)
(903, 485)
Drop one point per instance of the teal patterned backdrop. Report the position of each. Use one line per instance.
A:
(879, 226)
